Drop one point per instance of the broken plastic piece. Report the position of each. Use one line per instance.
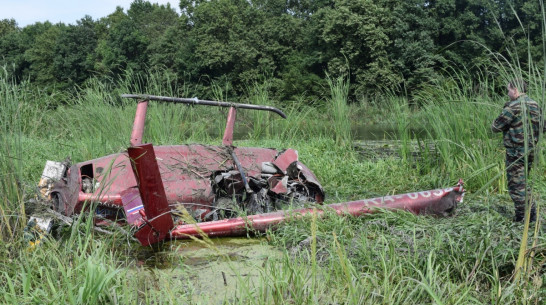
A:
(36, 229)
(53, 172)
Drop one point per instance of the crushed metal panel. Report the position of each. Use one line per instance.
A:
(278, 186)
(312, 180)
(286, 158)
(64, 194)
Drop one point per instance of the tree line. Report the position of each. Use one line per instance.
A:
(293, 44)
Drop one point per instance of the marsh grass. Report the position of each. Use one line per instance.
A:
(388, 258)
(400, 110)
(404, 259)
(460, 129)
(261, 121)
(21, 110)
(339, 110)
(76, 271)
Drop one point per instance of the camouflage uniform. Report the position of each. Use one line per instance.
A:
(512, 124)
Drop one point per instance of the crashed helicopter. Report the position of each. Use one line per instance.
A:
(151, 187)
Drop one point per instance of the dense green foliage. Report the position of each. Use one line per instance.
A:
(295, 44)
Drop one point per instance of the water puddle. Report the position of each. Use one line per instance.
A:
(213, 271)
(385, 132)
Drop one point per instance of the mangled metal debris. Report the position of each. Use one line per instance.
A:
(151, 187)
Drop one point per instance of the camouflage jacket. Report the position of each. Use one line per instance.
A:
(511, 122)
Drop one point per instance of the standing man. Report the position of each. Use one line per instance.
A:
(519, 122)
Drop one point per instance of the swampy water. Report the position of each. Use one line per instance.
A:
(211, 270)
(384, 132)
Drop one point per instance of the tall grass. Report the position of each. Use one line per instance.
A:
(396, 258)
(9, 163)
(262, 121)
(339, 110)
(400, 110)
(22, 111)
(458, 120)
(79, 270)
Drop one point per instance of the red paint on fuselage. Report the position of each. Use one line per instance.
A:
(185, 170)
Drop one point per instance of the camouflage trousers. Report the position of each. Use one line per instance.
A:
(517, 182)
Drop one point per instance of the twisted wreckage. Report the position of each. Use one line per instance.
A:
(156, 188)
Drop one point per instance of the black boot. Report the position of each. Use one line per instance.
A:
(533, 216)
(520, 216)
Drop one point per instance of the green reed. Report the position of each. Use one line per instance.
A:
(339, 110)
(22, 111)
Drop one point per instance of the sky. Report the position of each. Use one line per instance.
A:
(27, 12)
